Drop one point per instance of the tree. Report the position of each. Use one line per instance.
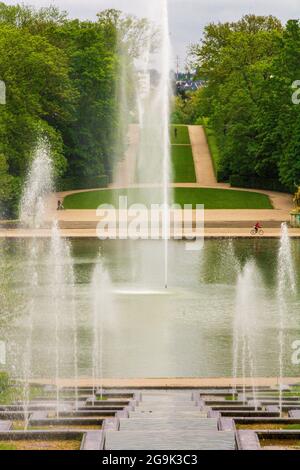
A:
(39, 96)
(237, 61)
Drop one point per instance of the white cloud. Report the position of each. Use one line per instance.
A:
(187, 17)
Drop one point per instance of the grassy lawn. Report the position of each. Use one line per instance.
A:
(7, 446)
(183, 165)
(211, 198)
(182, 135)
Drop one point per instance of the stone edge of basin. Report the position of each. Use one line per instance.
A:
(92, 440)
(111, 424)
(247, 440)
(226, 424)
(5, 426)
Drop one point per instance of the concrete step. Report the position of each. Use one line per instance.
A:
(169, 424)
(167, 413)
(157, 406)
(175, 440)
(5, 426)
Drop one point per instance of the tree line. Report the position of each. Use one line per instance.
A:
(250, 68)
(61, 78)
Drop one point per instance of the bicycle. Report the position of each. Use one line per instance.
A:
(260, 232)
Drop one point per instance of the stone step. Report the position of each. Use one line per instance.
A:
(294, 414)
(175, 440)
(163, 397)
(165, 413)
(5, 426)
(167, 406)
(169, 424)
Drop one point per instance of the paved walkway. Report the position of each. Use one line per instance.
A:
(203, 163)
(125, 172)
(176, 383)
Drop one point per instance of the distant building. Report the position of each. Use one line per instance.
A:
(186, 82)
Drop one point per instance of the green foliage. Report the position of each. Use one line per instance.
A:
(257, 182)
(249, 67)
(69, 184)
(187, 109)
(4, 381)
(9, 190)
(61, 79)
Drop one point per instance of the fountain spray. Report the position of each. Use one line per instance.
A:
(57, 271)
(151, 108)
(286, 287)
(102, 308)
(38, 185)
(247, 306)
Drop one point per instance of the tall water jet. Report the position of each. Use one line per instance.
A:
(48, 268)
(102, 308)
(37, 188)
(61, 283)
(151, 79)
(286, 286)
(246, 310)
(166, 60)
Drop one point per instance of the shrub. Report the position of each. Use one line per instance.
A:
(73, 183)
(256, 182)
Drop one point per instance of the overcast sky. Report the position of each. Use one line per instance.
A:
(187, 17)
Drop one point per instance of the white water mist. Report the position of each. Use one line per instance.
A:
(102, 311)
(48, 271)
(286, 287)
(152, 91)
(38, 187)
(244, 332)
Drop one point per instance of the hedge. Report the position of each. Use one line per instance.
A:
(256, 182)
(69, 184)
(214, 150)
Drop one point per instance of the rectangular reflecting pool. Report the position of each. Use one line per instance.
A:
(186, 330)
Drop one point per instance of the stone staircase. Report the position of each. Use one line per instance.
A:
(168, 421)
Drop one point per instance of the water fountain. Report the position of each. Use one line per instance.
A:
(102, 309)
(38, 186)
(152, 108)
(244, 334)
(286, 286)
(54, 276)
(61, 284)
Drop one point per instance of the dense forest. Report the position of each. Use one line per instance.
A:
(249, 68)
(61, 80)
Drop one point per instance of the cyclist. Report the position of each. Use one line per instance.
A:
(257, 227)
